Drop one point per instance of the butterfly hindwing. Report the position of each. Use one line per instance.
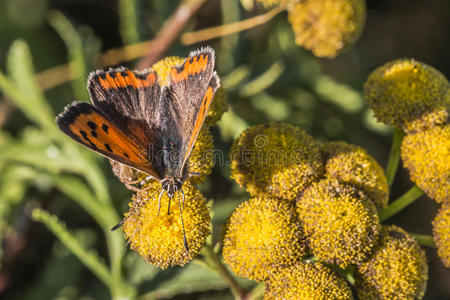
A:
(88, 126)
(191, 87)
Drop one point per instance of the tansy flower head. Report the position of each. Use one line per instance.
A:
(262, 234)
(159, 238)
(408, 94)
(396, 270)
(162, 67)
(340, 223)
(275, 159)
(306, 281)
(353, 165)
(201, 159)
(441, 233)
(426, 155)
(327, 27)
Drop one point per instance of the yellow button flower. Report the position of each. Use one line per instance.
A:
(275, 159)
(396, 270)
(441, 233)
(306, 281)
(353, 165)
(262, 234)
(408, 94)
(426, 155)
(327, 27)
(159, 238)
(341, 224)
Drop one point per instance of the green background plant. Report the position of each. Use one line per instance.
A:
(48, 178)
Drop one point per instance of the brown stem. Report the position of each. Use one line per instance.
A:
(170, 31)
(227, 29)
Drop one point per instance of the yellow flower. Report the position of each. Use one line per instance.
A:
(306, 281)
(441, 233)
(159, 239)
(218, 107)
(340, 223)
(262, 234)
(327, 27)
(408, 94)
(275, 159)
(162, 67)
(353, 165)
(201, 159)
(396, 270)
(426, 155)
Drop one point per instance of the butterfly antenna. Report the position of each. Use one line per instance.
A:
(182, 224)
(118, 225)
(182, 193)
(159, 202)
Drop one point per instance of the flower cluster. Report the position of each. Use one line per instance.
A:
(321, 203)
(327, 27)
(441, 232)
(397, 269)
(415, 98)
(151, 227)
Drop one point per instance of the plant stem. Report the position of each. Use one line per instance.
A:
(213, 260)
(256, 292)
(227, 29)
(424, 239)
(394, 156)
(406, 199)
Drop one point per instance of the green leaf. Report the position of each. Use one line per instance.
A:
(128, 21)
(191, 278)
(22, 88)
(88, 257)
(75, 50)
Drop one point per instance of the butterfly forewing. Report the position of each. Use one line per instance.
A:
(85, 124)
(189, 94)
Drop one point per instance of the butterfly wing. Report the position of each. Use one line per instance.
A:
(130, 99)
(88, 126)
(190, 90)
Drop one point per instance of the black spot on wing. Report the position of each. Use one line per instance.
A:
(126, 155)
(108, 147)
(92, 125)
(105, 128)
(84, 135)
(93, 133)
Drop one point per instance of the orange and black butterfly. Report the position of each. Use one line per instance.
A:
(138, 123)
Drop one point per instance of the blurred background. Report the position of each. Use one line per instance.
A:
(267, 77)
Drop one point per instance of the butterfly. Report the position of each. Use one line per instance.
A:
(141, 125)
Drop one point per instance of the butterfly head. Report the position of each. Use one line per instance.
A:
(171, 185)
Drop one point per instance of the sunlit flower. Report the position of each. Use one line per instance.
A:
(306, 281)
(162, 67)
(262, 234)
(408, 94)
(426, 155)
(353, 165)
(340, 223)
(441, 233)
(159, 238)
(275, 159)
(396, 270)
(327, 27)
(218, 107)
(201, 159)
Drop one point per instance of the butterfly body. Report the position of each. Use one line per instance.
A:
(142, 125)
